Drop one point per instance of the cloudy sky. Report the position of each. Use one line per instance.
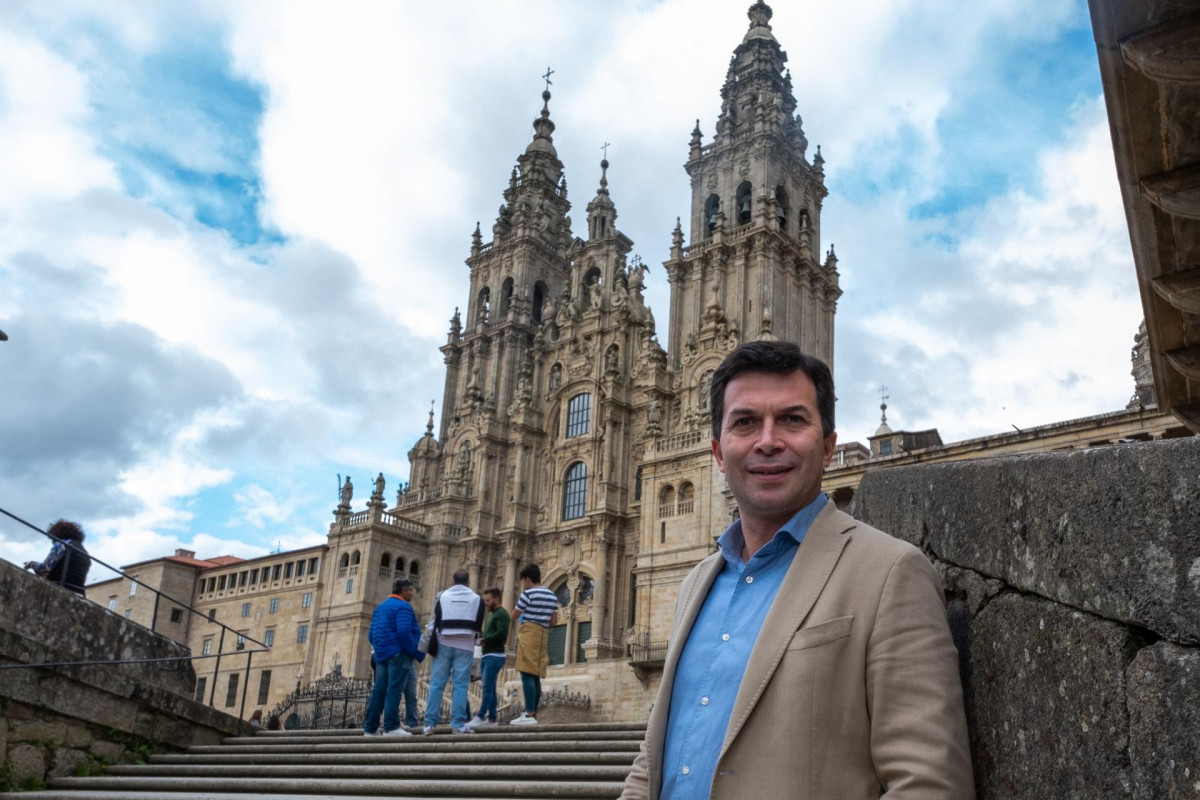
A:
(232, 234)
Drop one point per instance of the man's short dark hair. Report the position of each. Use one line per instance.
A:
(533, 572)
(66, 530)
(461, 577)
(773, 358)
(492, 592)
(400, 584)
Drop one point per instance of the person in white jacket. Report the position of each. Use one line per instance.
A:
(457, 622)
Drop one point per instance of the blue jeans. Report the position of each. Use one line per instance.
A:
(410, 697)
(390, 678)
(531, 686)
(489, 670)
(449, 664)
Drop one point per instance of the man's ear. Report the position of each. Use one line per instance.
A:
(716, 451)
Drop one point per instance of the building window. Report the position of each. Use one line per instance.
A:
(306, 600)
(287, 569)
(744, 191)
(245, 609)
(241, 642)
(206, 650)
(556, 645)
(885, 447)
(212, 615)
(264, 687)
(575, 491)
(302, 634)
(112, 603)
(637, 485)
(583, 633)
(176, 615)
(200, 684)
(221, 584)
(274, 604)
(133, 586)
(349, 585)
(312, 566)
(269, 637)
(242, 579)
(254, 577)
(579, 412)
(129, 613)
(300, 568)
(276, 572)
(231, 692)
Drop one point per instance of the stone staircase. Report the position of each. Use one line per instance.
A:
(578, 761)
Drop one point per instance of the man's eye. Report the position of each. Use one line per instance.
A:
(742, 422)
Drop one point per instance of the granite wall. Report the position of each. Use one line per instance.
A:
(1072, 584)
(56, 720)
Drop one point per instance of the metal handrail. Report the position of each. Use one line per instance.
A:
(158, 595)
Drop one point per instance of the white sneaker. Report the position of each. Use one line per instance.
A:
(487, 723)
(372, 733)
(524, 719)
(463, 729)
(428, 729)
(397, 732)
(475, 722)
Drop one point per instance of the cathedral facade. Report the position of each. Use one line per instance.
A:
(568, 435)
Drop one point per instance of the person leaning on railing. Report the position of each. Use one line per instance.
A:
(68, 562)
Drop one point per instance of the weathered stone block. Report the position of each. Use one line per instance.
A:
(77, 736)
(1048, 694)
(1164, 722)
(27, 762)
(3, 739)
(109, 752)
(40, 731)
(1106, 529)
(63, 762)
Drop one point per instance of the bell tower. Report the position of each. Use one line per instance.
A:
(752, 266)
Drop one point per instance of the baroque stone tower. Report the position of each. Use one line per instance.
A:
(568, 436)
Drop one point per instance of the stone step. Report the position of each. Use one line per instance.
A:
(552, 727)
(422, 744)
(538, 734)
(128, 786)
(475, 772)
(95, 794)
(448, 756)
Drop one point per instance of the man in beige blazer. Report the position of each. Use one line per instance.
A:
(810, 657)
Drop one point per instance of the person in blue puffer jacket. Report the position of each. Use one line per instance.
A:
(394, 635)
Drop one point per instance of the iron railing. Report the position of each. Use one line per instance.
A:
(240, 638)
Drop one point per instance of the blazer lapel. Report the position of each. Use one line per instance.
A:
(656, 734)
(805, 580)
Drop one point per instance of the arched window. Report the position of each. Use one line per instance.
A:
(591, 284)
(743, 203)
(345, 562)
(687, 498)
(711, 206)
(666, 501)
(562, 592)
(579, 413)
(414, 569)
(781, 207)
(575, 491)
(637, 484)
(355, 558)
(539, 300)
(805, 221)
(506, 292)
(399, 564)
(385, 566)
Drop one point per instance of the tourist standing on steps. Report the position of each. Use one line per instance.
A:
(457, 621)
(537, 610)
(68, 562)
(394, 635)
(495, 637)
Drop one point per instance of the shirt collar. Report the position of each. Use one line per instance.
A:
(732, 542)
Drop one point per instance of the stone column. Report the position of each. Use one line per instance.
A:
(509, 597)
(599, 595)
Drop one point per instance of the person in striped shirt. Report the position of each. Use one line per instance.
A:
(536, 612)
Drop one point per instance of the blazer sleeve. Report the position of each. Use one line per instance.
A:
(914, 694)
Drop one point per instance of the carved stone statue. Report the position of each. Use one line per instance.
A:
(555, 377)
(379, 484)
(347, 492)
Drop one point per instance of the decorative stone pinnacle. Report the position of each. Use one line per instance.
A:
(760, 14)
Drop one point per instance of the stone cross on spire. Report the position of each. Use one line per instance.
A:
(546, 77)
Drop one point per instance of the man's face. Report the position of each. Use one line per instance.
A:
(407, 593)
(771, 449)
(490, 602)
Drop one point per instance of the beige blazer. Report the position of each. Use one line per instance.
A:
(852, 689)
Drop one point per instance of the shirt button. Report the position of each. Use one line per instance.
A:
(703, 701)
(749, 579)
(685, 770)
(724, 637)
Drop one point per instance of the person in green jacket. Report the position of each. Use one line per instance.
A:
(495, 637)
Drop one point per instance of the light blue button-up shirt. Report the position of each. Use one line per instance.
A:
(718, 649)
